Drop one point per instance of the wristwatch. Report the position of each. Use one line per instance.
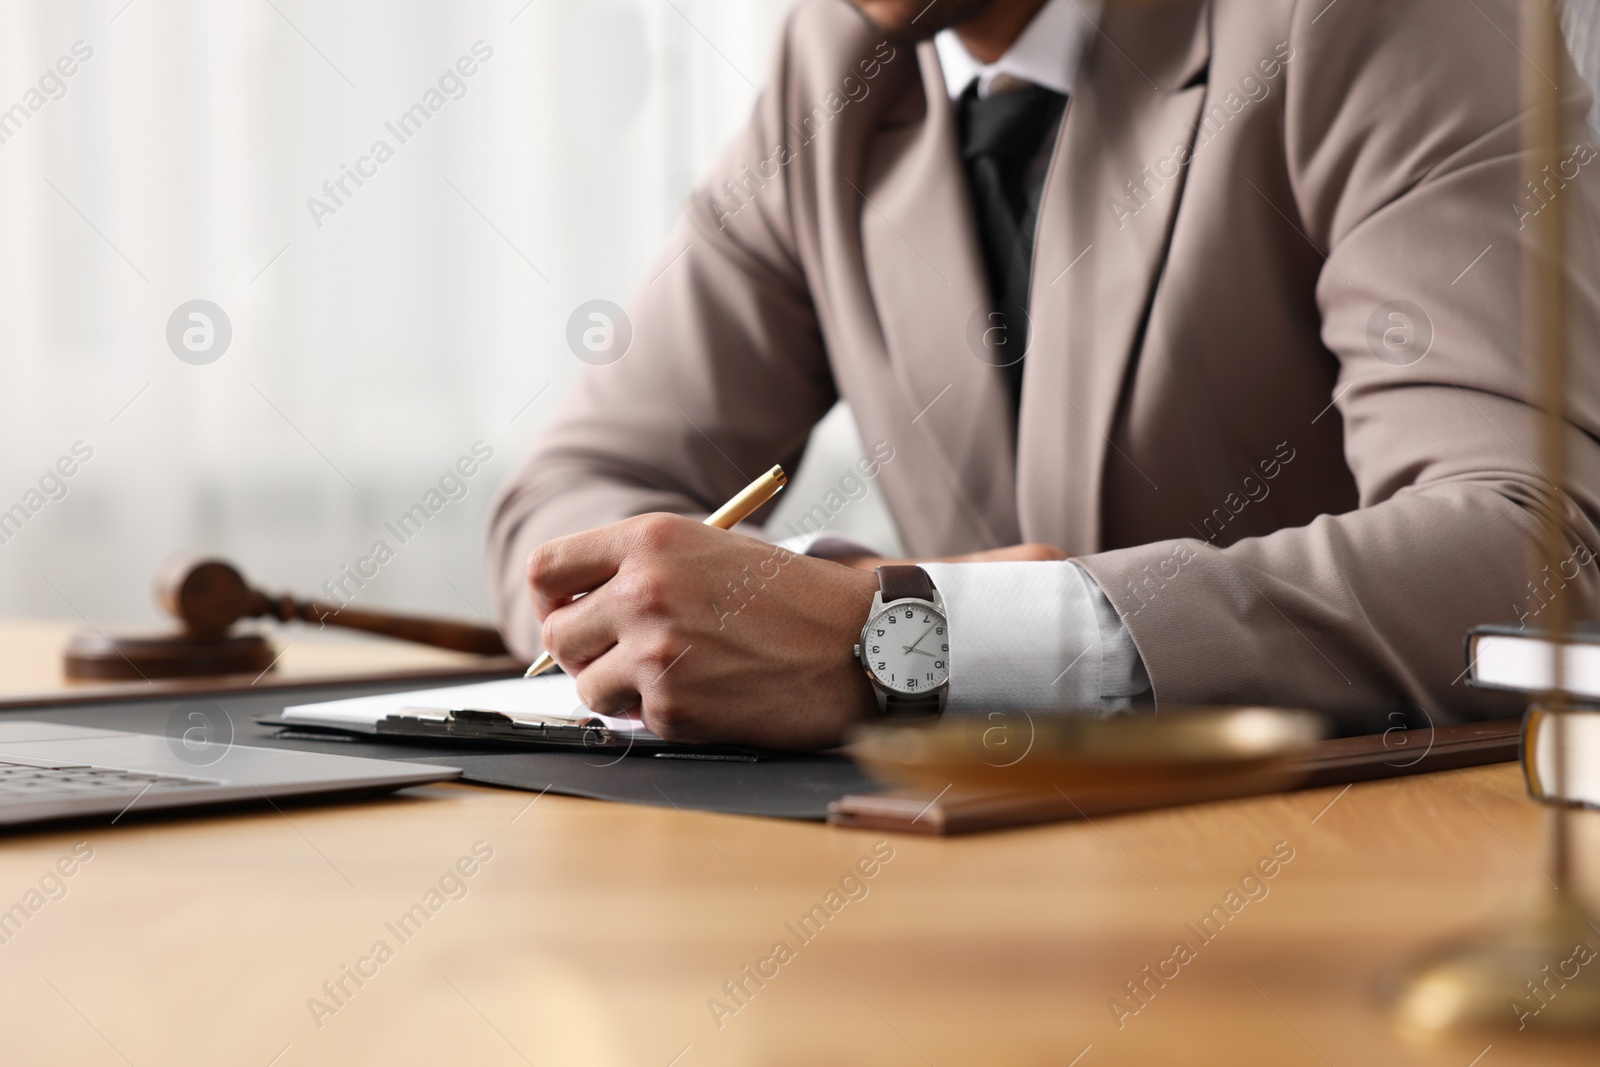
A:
(905, 645)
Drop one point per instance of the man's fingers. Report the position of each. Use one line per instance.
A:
(636, 673)
(561, 569)
(565, 567)
(582, 630)
(607, 685)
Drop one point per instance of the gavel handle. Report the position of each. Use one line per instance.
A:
(456, 636)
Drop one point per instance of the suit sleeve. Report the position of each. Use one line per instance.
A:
(1402, 139)
(726, 375)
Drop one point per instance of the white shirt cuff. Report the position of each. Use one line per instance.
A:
(1036, 636)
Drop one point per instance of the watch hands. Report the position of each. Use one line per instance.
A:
(912, 647)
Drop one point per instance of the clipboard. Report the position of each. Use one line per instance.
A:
(539, 713)
(477, 725)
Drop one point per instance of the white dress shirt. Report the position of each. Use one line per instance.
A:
(1047, 53)
(1024, 636)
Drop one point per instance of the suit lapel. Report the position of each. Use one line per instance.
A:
(1105, 223)
(926, 276)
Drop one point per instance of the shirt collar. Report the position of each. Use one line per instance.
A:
(1047, 53)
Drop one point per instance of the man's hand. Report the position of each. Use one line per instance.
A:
(712, 636)
(1013, 553)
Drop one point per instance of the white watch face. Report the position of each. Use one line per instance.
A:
(906, 646)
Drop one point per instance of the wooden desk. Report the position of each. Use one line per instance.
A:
(30, 660)
(597, 934)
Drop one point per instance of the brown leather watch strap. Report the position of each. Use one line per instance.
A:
(900, 706)
(905, 583)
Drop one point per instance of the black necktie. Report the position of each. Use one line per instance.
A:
(1001, 137)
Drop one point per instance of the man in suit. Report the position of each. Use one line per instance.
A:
(1268, 439)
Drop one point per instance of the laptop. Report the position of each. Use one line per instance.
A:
(51, 770)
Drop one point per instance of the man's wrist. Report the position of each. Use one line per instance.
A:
(863, 699)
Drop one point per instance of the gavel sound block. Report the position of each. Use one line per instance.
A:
(208, 597)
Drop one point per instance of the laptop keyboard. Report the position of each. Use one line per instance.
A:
(24, 783)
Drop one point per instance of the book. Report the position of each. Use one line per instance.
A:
(1546, 737)
(1505, 657)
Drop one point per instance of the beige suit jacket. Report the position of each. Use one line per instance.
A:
(1273, 400)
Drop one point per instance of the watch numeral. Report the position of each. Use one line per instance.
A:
(880, 633)
(874, 650)
(930, 676)
(939, 631)
(911, 683)
(889, 617)
(882, 665)
(938, 665)
(909, 613)
(944, 648)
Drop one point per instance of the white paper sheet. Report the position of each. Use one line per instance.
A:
(553, 695)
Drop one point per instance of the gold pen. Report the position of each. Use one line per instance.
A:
(726, 517)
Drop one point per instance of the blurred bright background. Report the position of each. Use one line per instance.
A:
(372, 347)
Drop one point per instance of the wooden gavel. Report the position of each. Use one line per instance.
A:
(208, 596)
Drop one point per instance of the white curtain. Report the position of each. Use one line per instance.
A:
(373, 344)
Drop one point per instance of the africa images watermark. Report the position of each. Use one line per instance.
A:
(1253, 489)
(1154, 178)
(741, 594)
(453, 486)
(1550, 586)
(739, 991)
(1399, 333)
(51, 486)
(50, 87)
(1145, 590)
(199, 732)
(599, 332)
(1551, 183)
(451, 86)
(850, 488)
(51, 887)
(1139, 991)
(199, 332)
(1545, 988)
(452, 885)
(851, 90)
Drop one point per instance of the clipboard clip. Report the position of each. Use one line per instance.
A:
(477, 725)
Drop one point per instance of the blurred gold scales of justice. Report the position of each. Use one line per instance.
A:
(1472, 986)
(1516, 980)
